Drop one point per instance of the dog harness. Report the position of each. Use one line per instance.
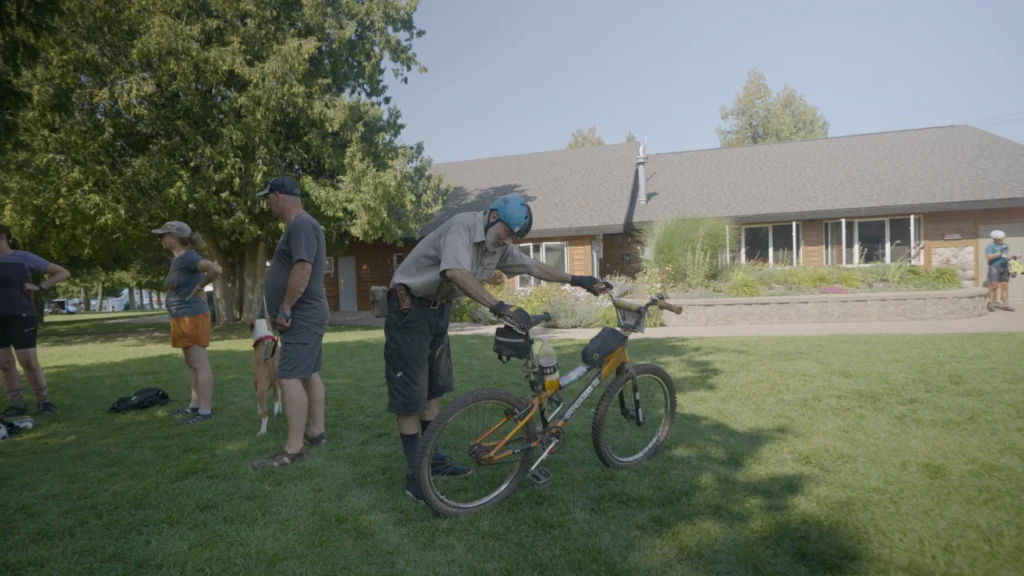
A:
(267, 341)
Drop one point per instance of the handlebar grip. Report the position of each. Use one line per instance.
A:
(539, 318)
(673, 308)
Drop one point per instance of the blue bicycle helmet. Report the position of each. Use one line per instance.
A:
(515, 213)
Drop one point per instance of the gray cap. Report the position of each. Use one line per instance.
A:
(179, 229)
(283, 185)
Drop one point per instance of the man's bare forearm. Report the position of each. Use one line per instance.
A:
(470, 286)
(297, 282)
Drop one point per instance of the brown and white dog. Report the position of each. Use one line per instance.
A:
(265, 351)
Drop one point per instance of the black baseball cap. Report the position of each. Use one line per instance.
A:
(283, 185)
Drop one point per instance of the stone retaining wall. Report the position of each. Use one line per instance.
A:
(814, 308)
(959, 257)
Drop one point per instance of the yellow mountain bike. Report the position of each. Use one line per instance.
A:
(497, 433)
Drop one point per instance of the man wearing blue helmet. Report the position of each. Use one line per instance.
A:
(450, 262)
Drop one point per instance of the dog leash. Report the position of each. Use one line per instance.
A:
(266, 339)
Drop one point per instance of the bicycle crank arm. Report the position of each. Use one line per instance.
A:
(545, 454)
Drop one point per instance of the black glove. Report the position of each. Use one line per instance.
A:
(514, 316)
(590, 284)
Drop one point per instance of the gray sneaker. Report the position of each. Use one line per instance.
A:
(186, 411)
(197, 418)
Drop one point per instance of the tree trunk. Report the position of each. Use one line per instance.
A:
(224, 287)
(239, 295)
(252, 286)
(159, 300)
(131, 298)
(99, 299)
(86, 305)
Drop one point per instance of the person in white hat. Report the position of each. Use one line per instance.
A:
(186, 283)
(998, 255)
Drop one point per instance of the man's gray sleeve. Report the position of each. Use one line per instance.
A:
(457, 249)
(514, 262)
(303, 241)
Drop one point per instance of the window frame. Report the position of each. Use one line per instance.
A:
(796, 229)
(542, 247)
(916, 249)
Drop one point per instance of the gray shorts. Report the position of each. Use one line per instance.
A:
(301, 352)
(417, 356)
(998, 274)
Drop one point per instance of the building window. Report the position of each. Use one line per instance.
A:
(398, 258)
(555, 254)
(772, 244)
(874, 241)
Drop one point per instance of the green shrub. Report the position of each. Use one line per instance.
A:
(576, 311)
(699, 266)
(467, 310)
(849, 279)
(536, 300)
(683, 253)
(744, 283)
(945, 277)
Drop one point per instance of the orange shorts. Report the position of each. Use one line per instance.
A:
(191, 331)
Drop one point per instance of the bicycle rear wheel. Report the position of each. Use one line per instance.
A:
(457, 433)
(634, 418)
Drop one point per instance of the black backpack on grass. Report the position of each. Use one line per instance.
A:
(141, 400)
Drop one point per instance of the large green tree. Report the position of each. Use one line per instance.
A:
(151, 110)
(584, 138)
(760, 116)
(23, 23)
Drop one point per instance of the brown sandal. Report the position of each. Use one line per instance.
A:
(282, 458)
(317, 440)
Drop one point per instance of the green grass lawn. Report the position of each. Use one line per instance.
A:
(835, 455)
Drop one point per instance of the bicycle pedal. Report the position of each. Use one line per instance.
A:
(540, 477)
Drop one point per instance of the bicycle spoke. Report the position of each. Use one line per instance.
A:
(459, 443)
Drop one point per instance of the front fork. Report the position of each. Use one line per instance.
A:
(636, 414)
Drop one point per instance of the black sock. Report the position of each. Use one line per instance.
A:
(410, 443)
(423, 425)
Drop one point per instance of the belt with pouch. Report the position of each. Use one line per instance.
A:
(405, 298)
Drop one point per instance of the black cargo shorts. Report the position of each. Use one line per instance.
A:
(417, 354)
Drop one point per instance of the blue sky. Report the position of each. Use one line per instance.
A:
(518, 76)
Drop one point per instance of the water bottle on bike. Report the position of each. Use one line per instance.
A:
(548, 360)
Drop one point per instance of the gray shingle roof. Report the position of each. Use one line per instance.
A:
(567, 189)
(931, 166)
(588, 190)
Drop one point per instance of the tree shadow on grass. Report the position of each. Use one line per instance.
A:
(686, 360)
(701, 506)
(719, 517)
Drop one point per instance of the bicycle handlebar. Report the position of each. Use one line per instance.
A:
(658, 300)
(673, 308)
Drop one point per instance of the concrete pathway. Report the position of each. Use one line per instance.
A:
(998, 321)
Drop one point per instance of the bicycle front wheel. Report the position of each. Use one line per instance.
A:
(634, 417)
(461, 437)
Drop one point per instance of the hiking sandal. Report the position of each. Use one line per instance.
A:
(317, 440)
(282, 458)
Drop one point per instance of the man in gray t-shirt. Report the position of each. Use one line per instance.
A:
(450, 262)
(297, 309)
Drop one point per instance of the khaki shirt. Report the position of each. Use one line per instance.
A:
(457, 245)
